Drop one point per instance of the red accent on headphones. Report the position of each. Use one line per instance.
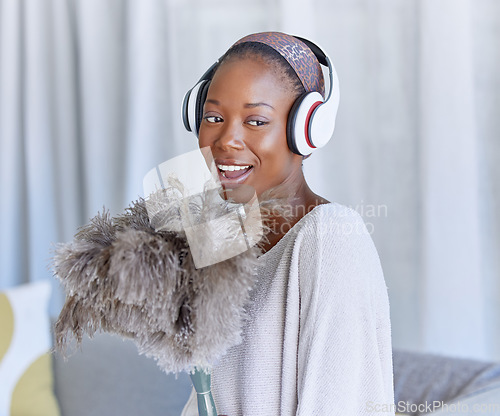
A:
(306, 126)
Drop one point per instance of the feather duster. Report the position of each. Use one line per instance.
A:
(135, 275)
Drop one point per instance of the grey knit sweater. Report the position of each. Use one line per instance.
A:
(317, 340)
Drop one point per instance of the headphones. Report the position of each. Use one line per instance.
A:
(311, 120)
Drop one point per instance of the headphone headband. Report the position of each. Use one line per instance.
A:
(318, 52)
(297, 53)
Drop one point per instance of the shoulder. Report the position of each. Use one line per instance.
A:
(329, 239)
(334, 248)
(331, 223)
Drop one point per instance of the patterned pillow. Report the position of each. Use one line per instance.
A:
(26, 379)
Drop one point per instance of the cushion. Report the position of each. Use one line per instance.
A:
(107, 376)
(26, 379)
(423, 381)
(438, 377)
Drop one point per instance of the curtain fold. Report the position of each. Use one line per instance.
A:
(449, 181)
(90, 98)
(12, 184)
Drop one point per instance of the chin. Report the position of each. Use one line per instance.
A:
(238, 193)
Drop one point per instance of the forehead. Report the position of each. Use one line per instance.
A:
(249, 76)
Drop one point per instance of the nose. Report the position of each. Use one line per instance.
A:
(231, 137)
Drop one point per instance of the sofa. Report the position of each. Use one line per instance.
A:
(106, 377)
(442, 385)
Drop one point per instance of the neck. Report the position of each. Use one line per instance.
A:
(302, 200)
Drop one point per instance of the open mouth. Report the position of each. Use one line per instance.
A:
(234, 172)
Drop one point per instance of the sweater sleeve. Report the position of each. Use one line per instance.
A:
(344, 356)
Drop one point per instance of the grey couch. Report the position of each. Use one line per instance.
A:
(445, 385)
(107, 377)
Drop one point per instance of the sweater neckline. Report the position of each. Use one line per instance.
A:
(287, 235)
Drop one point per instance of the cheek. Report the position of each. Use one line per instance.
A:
(203, 138)
(272, 144)
(274, 139)
(206, 138)
(273, 151)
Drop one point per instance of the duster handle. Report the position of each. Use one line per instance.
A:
(202, 384)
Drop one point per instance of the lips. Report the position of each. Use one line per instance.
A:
(233, 172)
(240, 178)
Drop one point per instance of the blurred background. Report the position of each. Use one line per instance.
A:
(90, 99)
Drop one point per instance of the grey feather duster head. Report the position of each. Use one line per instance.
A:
(134, 275)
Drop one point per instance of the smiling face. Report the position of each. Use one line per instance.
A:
(244, 124)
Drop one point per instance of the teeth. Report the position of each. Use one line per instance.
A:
(232, 167)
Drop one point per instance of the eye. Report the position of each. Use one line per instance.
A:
(256, 123)
(213, 119)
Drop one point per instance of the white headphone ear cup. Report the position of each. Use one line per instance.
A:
(298, 124)
(290, 126)
(322, 122)
(200, 102)
(191, 105)
(185, 110)
(321, 126)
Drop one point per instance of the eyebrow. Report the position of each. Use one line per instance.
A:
(247, 105)
(212, 101)
(253, 105)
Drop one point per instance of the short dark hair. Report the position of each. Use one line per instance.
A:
(269, 56)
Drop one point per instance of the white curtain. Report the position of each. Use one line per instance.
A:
(90, 95)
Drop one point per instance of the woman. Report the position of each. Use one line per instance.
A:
(317, 339)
